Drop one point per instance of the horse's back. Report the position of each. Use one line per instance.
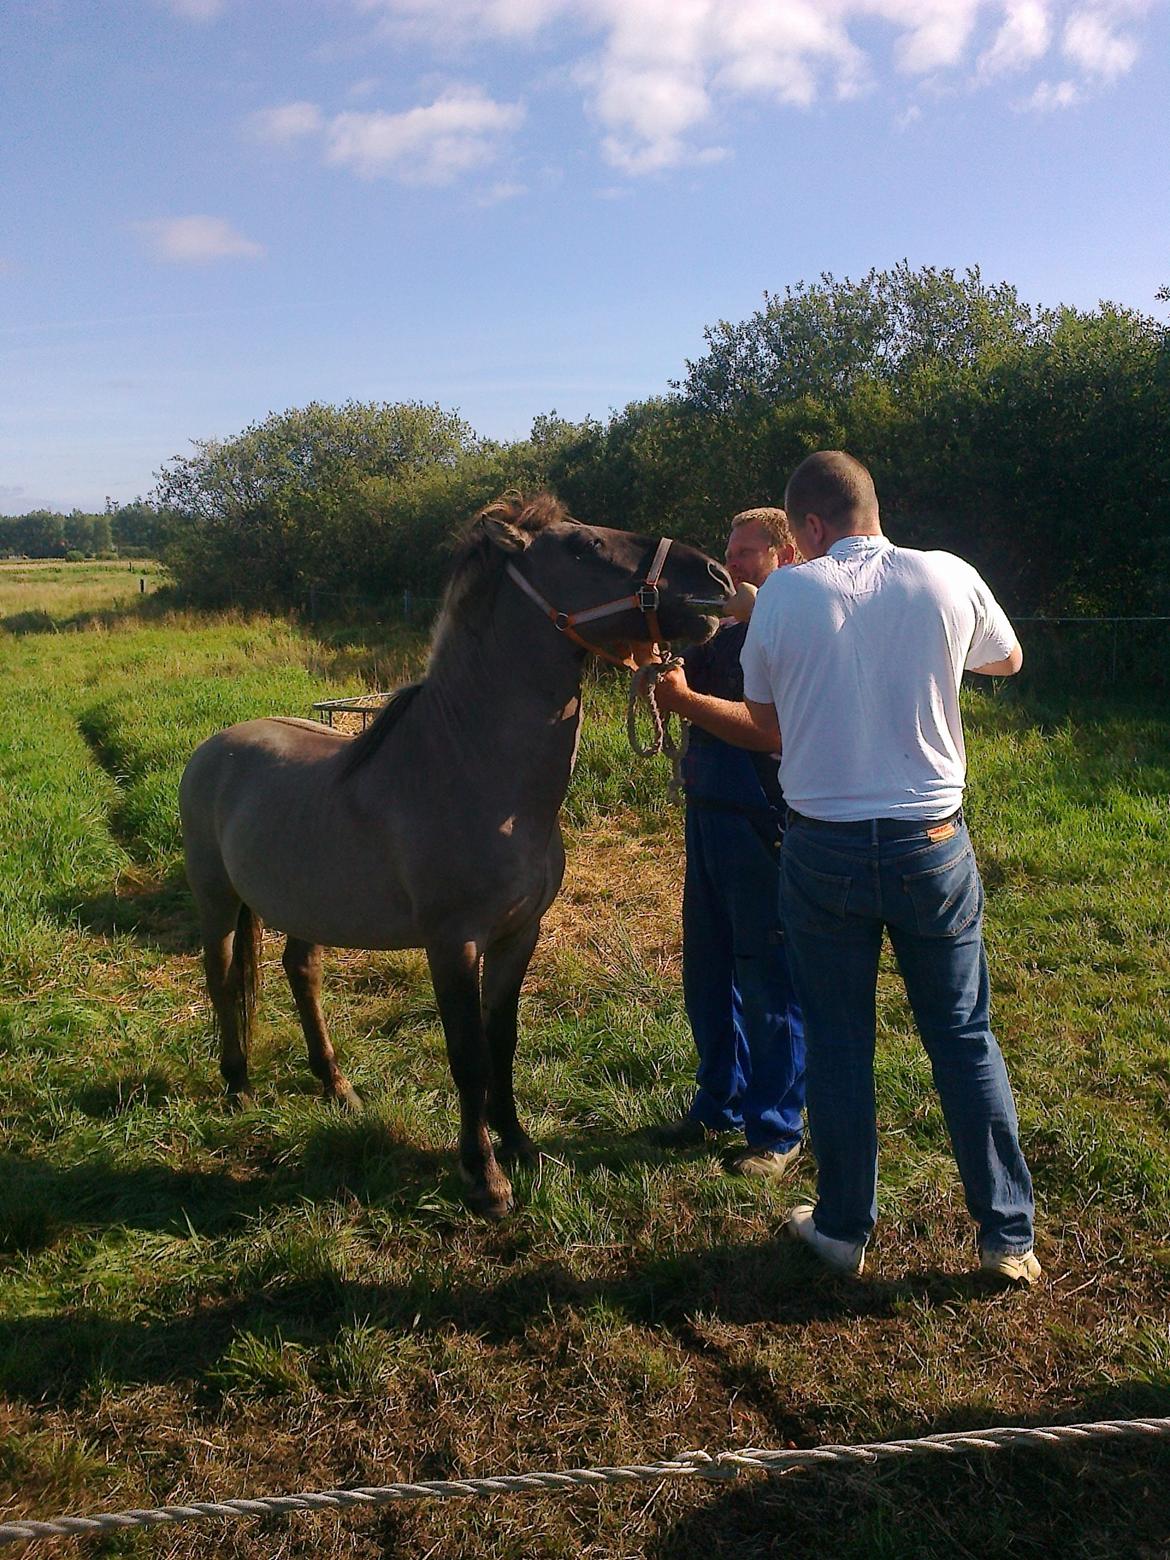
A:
(248, 766)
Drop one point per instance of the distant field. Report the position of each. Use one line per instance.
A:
(197, 1305)
(59, 590)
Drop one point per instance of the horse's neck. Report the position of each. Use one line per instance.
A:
(509, 699)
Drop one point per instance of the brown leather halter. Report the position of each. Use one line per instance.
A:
(644, 599)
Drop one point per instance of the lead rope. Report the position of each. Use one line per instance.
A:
(663, 739)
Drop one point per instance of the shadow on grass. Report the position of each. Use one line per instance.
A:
(1094, 1499)
(158, 915)
(20, 623)
(40, 1203)
(151, 607)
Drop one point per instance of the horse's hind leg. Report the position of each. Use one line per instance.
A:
(302, 964)
(455, 973)
(231, 965)
(505, 964)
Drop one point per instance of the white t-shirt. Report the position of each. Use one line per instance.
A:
(862, 652)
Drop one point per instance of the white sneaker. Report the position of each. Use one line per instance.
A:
(1018, 1267)
(842, 1255)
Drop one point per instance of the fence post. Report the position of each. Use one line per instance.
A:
(406, 606)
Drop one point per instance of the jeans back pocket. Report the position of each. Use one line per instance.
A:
(810, 900)
(947, 898)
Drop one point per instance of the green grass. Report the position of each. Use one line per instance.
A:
(197, 1304)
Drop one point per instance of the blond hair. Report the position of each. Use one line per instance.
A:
(773, 521)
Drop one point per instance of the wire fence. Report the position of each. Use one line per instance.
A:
(406, 607)
(1087, 653)
(1083, 653)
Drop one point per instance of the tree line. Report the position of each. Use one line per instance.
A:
(123, 531)
(1033, 441)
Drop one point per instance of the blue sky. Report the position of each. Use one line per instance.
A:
(215, 209)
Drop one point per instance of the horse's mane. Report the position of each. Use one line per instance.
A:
(479, 558)
(476, 568)
(367, 742)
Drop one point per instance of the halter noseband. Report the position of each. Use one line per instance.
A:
(645, 600)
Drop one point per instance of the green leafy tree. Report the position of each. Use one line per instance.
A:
(253, 515)
(823, 339)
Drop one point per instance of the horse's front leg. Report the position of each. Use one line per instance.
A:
(302, 964)
(455, 973)
(505, 964)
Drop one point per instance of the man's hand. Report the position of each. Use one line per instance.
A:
(672, 690)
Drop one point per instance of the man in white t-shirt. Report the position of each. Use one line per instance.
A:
(856, 658)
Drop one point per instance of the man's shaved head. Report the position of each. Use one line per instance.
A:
(836, 487)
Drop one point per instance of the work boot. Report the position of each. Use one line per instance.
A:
(773, 1164)
(687, 1133)
(1017, 1267)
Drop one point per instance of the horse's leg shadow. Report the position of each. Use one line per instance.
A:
(505, 964)
(302, 963)
(455, 973)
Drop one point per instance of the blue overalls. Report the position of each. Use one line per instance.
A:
(738, 990)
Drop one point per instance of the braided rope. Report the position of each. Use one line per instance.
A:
(724, 1465)
(663, 738)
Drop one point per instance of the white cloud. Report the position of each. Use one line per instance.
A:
(659, 75)
(498, 193)
(463, 19)
(196, 240)
(1090, 42)
(288, 122)
(932, 34)
(1049, 97)
(460, 130)
(1022, 39)
(909, 116)
(195, 10)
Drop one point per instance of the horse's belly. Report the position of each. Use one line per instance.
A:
(326, 865)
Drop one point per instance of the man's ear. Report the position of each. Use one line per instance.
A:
(504, 535)
(786, 555)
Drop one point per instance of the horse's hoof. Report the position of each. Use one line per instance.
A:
(239, 1099)
(345, 1097)
(489, 1204)
(494, 1207)
(519, 1151)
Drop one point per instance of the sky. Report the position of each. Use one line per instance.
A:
(212, 210)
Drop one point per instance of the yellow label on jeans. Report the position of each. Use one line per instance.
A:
(941, 831)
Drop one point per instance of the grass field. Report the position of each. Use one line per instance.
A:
(196, 1305)
(44, 594)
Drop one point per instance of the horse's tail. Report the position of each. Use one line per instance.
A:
(245, 982)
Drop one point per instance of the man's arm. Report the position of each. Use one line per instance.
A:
(1006, 668)
(742, 724)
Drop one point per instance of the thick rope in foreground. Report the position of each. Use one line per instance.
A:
(642, 687)
(724, 1465)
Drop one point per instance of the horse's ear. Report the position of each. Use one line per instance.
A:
(503, 534)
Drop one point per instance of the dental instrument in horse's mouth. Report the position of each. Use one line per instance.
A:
(738, 604)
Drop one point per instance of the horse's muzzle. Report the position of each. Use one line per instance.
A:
(721, 578)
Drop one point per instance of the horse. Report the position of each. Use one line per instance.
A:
(436, 827)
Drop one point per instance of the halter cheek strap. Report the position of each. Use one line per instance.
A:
(645, 600)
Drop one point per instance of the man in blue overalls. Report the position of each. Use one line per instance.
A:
(739, 997)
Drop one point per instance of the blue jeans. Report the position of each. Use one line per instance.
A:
(841, 885)
(739, 995)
